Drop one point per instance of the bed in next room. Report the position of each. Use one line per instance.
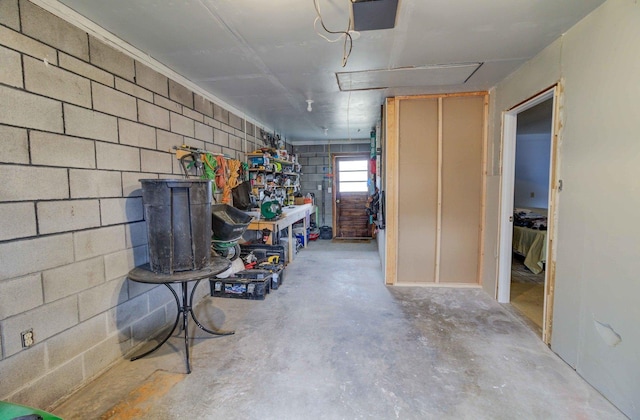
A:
(530, 237)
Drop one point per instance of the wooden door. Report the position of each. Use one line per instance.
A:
(350, 197)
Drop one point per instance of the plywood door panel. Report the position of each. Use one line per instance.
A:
(417, 190)
(462, 152)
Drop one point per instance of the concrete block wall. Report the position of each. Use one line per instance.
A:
(80, 124)
(316, 163)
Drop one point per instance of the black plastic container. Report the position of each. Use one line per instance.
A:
(326, 232)
(228, 222)
(277, 273)
(263, 249)
(178, 216)
(240, 288)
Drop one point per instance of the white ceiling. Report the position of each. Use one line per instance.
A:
(265, 58)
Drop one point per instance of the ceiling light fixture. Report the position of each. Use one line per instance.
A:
(309, 102)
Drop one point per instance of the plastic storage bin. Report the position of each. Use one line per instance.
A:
(178, 217)
(228, 222)
(240, 288)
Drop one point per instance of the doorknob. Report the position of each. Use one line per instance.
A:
(337, 201)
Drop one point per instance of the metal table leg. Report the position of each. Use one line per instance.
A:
(184, 308)
(193, 315)
(175, 324)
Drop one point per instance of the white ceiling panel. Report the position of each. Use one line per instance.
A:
(265, 58)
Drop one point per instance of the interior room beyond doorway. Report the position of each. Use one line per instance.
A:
(531, 208)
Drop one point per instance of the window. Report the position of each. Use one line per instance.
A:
(353, 175)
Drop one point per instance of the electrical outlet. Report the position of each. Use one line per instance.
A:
(532, 194)
(27, 338)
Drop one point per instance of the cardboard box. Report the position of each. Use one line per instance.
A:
(299, 201)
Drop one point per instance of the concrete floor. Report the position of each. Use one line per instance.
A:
(334, 343)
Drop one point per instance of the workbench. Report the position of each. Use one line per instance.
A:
(289, 216)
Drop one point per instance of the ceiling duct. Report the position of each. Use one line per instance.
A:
(436, 75)
(369, 15)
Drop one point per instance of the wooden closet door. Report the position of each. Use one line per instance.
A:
(417, 190)
(462, 158)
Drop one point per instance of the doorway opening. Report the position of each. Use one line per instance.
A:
(350, 194)
(528, 209)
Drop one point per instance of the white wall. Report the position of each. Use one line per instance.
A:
(597, 242)
(532, 170)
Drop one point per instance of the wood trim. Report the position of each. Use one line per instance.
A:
(541, 92)
(483, 204)
(442, 95)
(436, 276)
(551, 221)
(334, 209)
(391, 191)
(447, 285)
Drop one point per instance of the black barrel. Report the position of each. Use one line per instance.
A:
(178, 216)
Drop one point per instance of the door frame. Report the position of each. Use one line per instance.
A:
(509, 131)
(334, 211)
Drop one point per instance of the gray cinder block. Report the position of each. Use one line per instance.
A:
(54, 82)
(11, 69)
(134, 90)
(73, 278)
(194, 115)
(182, 125)
(203, 105)
(151, 79)
(135, 134)
(67, 215)
(17, 41)
(113, 102)
(59, 150)
(204, 132)
(180, 94)
(84, 183)
(117, 157)
(20, 295)
(84, 122)
(121, 210)
(46, 320)
(21, 183)
(154, 161)
(153, 115)
(46, 27)
(97, 242)
(24, 109)
(85, 69)
(113, 61)
(17, 220)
